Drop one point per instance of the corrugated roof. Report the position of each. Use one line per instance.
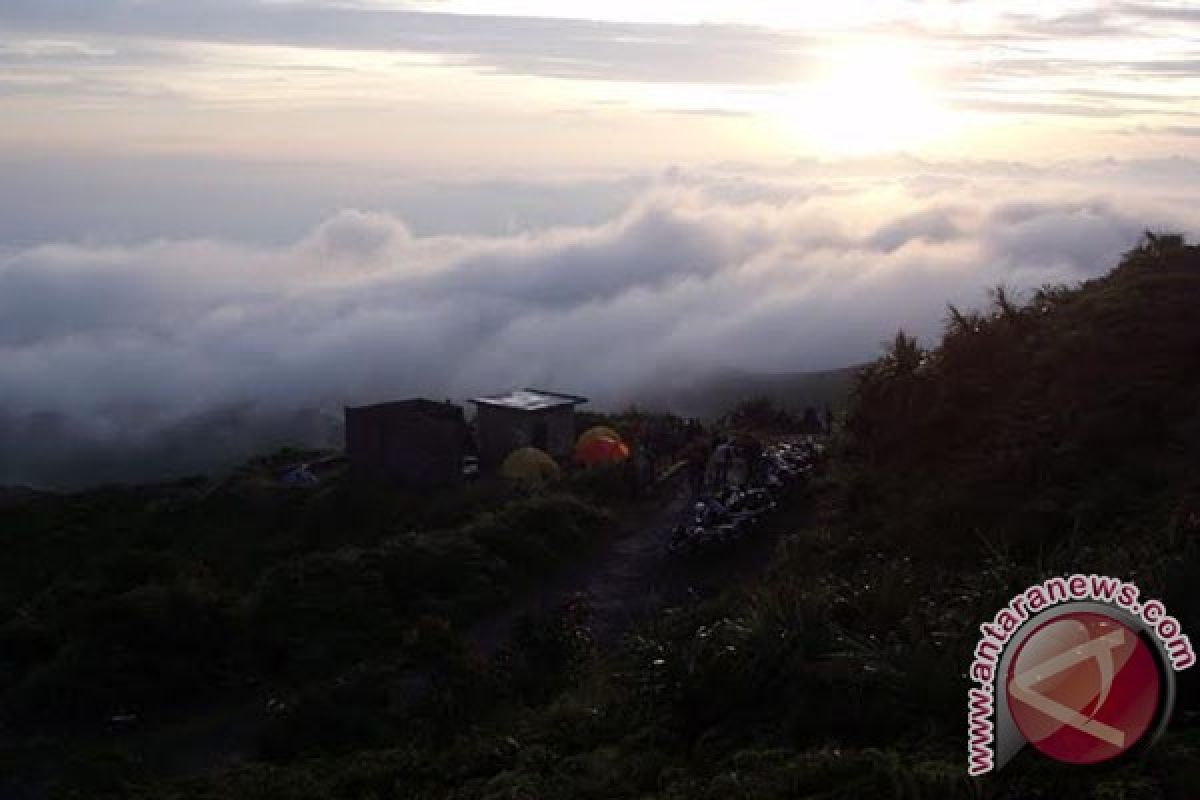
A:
(530, 399)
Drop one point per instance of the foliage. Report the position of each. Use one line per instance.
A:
(157, 604)
(1072, 414)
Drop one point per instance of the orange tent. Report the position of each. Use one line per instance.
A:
(598, 432)
(601, 450)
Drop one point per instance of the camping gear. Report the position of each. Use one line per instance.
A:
(530, 465)
(601, 450)
(597, 432)
(299, 475)
(732, 510)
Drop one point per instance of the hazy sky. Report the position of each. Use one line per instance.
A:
(537, 85)
(288, 204)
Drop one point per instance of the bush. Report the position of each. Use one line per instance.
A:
(150, 648)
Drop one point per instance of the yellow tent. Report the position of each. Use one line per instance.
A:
(529, 465)
(598, 432)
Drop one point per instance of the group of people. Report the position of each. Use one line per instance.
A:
(730, 460)
(657, 443)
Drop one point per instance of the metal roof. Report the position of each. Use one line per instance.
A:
(530, 400)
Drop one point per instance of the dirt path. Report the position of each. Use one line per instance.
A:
(632, 575)
(625, 580)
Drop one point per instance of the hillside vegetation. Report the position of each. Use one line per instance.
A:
(1071, 418)
(124, 609)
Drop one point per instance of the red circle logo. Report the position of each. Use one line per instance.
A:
(1083, 688)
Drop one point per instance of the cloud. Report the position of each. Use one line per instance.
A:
(156, 52)
(355, 237)
(126, 361)
(932, 225)
(542, 46)
(1066, 108)
(1081, 234)
(1158, 11)
(1177, 130)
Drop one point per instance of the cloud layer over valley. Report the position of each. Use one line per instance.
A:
(129, 361)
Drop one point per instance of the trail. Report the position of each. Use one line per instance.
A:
(633, 575)
(626, 579)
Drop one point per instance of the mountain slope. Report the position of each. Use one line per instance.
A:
(1077, 413)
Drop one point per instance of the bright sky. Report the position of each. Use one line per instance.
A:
(541, 85)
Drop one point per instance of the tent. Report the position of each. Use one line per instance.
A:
(598, 432)
(601, 450)
(529, 465)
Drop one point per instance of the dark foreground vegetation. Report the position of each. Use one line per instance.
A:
(1058, 434)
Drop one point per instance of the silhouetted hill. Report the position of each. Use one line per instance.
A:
(1076, 413)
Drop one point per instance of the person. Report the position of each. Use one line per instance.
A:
(752, 452)
(714, 511)
(696, 455)
(643, 459)
(630, 473)
(719, 464)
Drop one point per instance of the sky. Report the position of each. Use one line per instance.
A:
(545, 86)
(222, 214)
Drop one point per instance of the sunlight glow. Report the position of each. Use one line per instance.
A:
(866, 101)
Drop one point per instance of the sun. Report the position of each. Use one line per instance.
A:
(865, 101)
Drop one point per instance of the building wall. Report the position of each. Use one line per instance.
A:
(405, 447)
(560, 425)
(502, 430)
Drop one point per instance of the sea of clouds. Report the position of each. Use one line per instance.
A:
(138, 360)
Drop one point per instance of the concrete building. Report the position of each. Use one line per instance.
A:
(524, 418)
(414, 443)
